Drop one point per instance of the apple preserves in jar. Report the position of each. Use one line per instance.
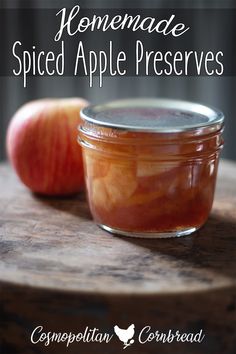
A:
(151, 165)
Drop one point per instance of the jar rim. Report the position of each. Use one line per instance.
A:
(156, 116)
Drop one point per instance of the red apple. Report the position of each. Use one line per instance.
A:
(42, 145)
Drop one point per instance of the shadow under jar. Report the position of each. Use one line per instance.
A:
(150, 165)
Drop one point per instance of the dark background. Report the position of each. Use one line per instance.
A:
(211, 28)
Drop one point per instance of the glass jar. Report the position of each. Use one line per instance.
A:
(150, 165)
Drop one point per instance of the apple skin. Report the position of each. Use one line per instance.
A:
(42, 146)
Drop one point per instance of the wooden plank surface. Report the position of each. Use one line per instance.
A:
(59, 270)
(53, 243)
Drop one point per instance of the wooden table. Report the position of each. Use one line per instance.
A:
(59, 270)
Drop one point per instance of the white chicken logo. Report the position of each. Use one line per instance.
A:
(125, 335)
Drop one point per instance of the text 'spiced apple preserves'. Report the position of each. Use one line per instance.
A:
(151, 165)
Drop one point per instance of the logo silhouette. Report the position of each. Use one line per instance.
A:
(125, 335)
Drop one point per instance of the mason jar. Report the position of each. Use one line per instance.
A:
(150, 165)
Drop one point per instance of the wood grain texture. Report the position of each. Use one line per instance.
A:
(59, 269)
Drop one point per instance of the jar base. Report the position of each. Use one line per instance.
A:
(177, 233)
